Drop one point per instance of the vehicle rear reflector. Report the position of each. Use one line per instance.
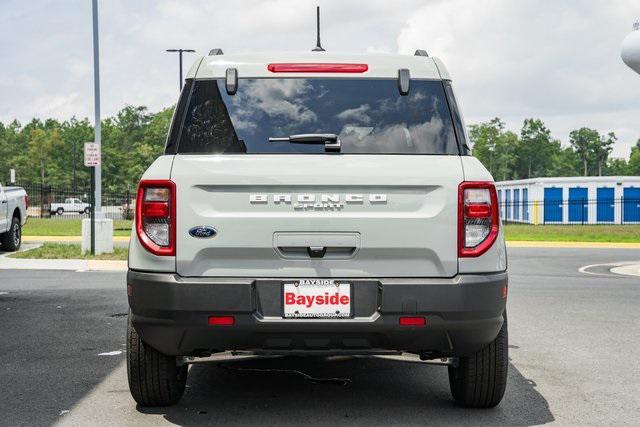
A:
(221, 320)
(317, 68)
(478, 222)
(413, 321)
(156, 216)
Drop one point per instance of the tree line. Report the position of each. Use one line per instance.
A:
(46, 151)
(535, 153)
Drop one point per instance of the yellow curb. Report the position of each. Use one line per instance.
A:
(30, 239)
(585, 245)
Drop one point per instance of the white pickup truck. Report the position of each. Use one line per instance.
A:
(317, 204)
(70, 205)
(13, 215)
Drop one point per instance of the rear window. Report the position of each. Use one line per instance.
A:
(369, 116)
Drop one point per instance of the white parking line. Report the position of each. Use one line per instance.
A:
(614, 270)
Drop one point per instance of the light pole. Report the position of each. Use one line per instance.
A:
(96, 90)
(180, 63)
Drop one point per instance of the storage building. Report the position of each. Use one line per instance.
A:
(571, 200)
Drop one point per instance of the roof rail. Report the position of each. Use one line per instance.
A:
(421, 52)
(216, 51)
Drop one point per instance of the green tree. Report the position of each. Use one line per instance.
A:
(484, 138)
(633, 167)
(42, 147)
(616, 167)
(582, 141)
(602, 149)
(536, 150)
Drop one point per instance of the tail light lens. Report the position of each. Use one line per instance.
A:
(317, 68)
(156, 216)
(26, 201)
(478, 222)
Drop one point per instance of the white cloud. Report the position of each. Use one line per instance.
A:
(358, 114)
(514, 59)
(553, 60)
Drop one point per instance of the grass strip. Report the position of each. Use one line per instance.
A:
(66, 251)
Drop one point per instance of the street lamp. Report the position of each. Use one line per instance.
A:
(180, 56)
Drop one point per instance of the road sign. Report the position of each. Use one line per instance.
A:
(91, 154)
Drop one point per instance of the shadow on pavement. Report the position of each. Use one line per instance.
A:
(266, 391)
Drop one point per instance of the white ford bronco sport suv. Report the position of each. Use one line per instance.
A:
(317, 203)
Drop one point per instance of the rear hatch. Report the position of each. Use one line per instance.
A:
(385, 205)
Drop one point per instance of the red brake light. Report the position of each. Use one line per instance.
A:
(156, 216)
(222, 320)
(26, 201)
(478, 222)
(477, 210)
(155, 209)
(413, 321)
(317, 68)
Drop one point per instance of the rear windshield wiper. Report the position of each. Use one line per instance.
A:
(330, 140)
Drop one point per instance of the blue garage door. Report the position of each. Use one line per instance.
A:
(507, 203)
(553, 205)
(631, 209)
(525, 204)
(578, 198)
(516, 204)
(605, 210)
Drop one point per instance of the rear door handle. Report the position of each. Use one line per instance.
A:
(316, 251)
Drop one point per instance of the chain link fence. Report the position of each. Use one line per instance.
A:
(46, 201)
(576, 212)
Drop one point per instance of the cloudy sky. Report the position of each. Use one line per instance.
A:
(557, 60)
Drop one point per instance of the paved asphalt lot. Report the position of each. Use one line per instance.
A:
(574, 349)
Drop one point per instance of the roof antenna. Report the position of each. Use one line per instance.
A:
(318, 47)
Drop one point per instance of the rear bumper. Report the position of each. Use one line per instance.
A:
(170, 313)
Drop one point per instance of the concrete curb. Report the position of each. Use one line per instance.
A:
(584, 245)
(510, 243)
(65, 239)
(61, 264)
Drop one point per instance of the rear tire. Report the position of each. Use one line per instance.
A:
(155, 379)
(12, 239)
(60, 211)
(479, 380)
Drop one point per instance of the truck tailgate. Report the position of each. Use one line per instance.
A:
(317, 215)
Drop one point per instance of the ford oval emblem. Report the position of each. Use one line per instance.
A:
(203, 232)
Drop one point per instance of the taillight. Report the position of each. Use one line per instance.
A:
(478, 221)
(26, 201)
(156, 216)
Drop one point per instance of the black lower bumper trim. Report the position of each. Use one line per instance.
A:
(463, 314)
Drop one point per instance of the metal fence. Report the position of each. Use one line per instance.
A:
(46, 201)
(575, 212)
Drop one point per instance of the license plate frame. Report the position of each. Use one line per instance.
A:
(321, 288)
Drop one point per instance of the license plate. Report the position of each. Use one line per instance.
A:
(317, 298)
